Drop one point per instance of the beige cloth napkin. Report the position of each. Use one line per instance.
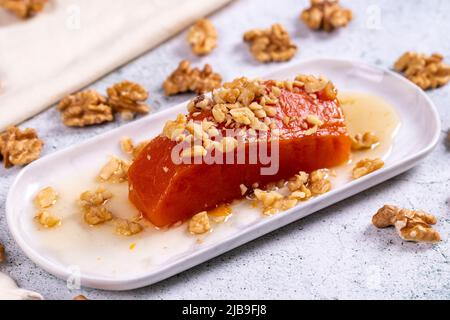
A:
(73, 43)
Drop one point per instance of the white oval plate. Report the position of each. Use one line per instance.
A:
(418, 136)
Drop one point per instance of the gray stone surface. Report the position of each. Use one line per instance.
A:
(333, 254)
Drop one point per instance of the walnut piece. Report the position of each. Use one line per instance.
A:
(127, 228)
(2, 254)
(47, 220)
(128, 147)
(128, 98)
(84, 109)
(202, 37)
(115, 171)
(80, 297)
(327, 15)
(93, 205)
(188, 79)
(199, 224)
(366, 166)
(23, 8)
(270, 45)
(19, 147)
(364, 141)
(411, 225)
(46, 198)
(318, 182)
(428, 72)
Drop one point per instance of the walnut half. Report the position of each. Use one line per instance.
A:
(23, 8)
(84, 109)
(202, 37)
(428, 72)
(188, 79)
(411, 225)
(128, 98)
(327, 15)
(273, 44)
(19, 147)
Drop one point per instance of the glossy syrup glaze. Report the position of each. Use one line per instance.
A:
(99, 251)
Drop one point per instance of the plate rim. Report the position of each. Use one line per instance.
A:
(249, 233)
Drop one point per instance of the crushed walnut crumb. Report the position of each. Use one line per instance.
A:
(84, 109)
(47, 219)
(202, 37)
(127, 228)
(366, 166)
(128, 99)
(19, 147)
(199, 224)
(301, 187)
(428, 72)
(188, 79)
(363, 141)
(46, 198)
(23, 8)
(93, 205)
(327, 15)
(115, 171)
(268, 45)
(411, 225)
(2, 254)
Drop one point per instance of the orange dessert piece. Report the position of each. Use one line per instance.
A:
(302, 117)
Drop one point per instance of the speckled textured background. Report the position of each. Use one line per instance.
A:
(334, 253)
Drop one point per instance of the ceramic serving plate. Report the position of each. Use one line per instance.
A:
(418, 135)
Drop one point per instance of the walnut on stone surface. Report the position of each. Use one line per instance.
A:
(128, 99)
(23, 8)
(84, 109)
(202, 37)
(19, 148)
(327, 15)
(273, 44)
(188, 79)
(428, 72)
(411, 225)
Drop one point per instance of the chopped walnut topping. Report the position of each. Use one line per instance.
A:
(187, 79)
(2, 254)
(23, 8)
(326, 15)
(202, 37)
(318, 182)
(411, 225)
(364, 141)
(115, 171)
(80, 297)
(428, 72)
(199, 224)
(298, 181)
(366, 166)
(19, 147)
(84, 109)
(46, 198)
(127, 228)
(128, 98)
(269, 45)
(93, 205)
(47, 220)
